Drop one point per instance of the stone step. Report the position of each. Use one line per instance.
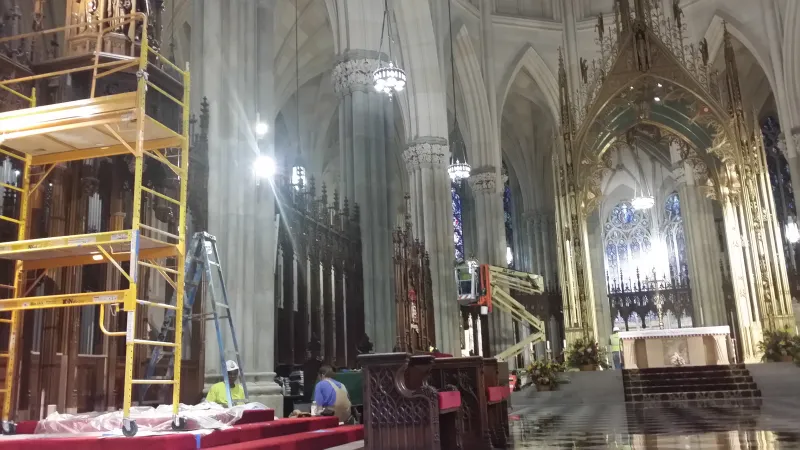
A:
(694, 380)
(698, 395)
(657, 389)
(681, 374)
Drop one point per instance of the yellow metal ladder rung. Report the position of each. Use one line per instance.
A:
(156, 305)
(152, 381)
(5, 321)
(3, 355)
(154, 343)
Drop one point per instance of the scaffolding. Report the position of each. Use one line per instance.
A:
(42, 137)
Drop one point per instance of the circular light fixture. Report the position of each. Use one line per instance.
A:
(658, 99)
(264, 167)
(262, 128)
(389, 79)
(792, 233)
(643, 202)
(459, 170)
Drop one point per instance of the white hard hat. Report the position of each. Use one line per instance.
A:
(615, 329)
(231, 365)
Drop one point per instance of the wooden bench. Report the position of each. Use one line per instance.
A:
(402, 411)
(497, 397)
(466, 374)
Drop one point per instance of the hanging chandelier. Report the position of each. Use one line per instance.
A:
(642, 200)
(458, 170)
(388, 79)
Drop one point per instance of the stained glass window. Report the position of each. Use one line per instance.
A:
(627, 241)
(675, 238)
(458, 228)
(507, 210)
(778, 168)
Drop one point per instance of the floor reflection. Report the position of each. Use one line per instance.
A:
(676, 426)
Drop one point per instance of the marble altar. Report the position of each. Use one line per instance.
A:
(654, 348)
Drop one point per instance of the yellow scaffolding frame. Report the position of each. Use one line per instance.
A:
(97, 127)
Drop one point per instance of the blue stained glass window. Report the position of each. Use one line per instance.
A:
(458, 228)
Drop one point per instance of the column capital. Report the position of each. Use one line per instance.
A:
(353, 75)
(427, 152)
(484, 180)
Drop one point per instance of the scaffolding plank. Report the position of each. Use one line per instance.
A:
(63, 300)
(77, 130)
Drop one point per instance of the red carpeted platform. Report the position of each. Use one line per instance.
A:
(256, 431)
(312, 440)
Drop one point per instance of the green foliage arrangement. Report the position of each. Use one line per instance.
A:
(780, 346)
(545, 372)
(586, 353)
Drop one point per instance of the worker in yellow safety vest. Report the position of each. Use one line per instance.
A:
(615, 343)
(219, 394)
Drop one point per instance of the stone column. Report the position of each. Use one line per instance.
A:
(702, 246)
(432, 211)
(365, 179)
(490, 248)
(602, 307)
(241, 211)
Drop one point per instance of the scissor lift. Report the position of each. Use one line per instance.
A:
(487, 286)
(43, 137)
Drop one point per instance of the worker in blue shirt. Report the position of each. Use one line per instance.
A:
(330, 396)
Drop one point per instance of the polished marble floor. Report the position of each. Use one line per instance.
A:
(775, 424)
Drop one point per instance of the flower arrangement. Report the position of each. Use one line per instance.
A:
(544, 374)
(780, 346)
(677, 360)
(586, 354)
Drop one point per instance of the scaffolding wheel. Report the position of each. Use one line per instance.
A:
(129, 427)
(9, 428)
(179, 423)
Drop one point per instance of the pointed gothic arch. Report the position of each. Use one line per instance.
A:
(529, 59)
(649, 75)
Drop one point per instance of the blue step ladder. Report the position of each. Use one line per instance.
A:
(202, 261)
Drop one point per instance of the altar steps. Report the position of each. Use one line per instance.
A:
(713, 385)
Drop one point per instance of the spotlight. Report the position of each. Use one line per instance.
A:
(264, 167)
(262, 129)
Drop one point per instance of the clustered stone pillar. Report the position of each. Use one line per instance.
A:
(490, 245)
(702, 246)
(365, 180)
(241, 212)
(431, 211)
(540, 229)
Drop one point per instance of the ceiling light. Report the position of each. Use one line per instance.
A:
(264, 167)
(643, 202)
(660, 85)
(262, 129)
(459, 170)
(658, 99)
(97, 257)
(389, 79)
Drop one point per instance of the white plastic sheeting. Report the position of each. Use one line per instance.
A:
(202, 416)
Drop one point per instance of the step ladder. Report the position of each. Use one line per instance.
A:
(202, 260)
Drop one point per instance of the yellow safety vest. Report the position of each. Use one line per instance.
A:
(615, 342)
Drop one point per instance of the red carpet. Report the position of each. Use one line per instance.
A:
(312, 440)
(256, 431)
